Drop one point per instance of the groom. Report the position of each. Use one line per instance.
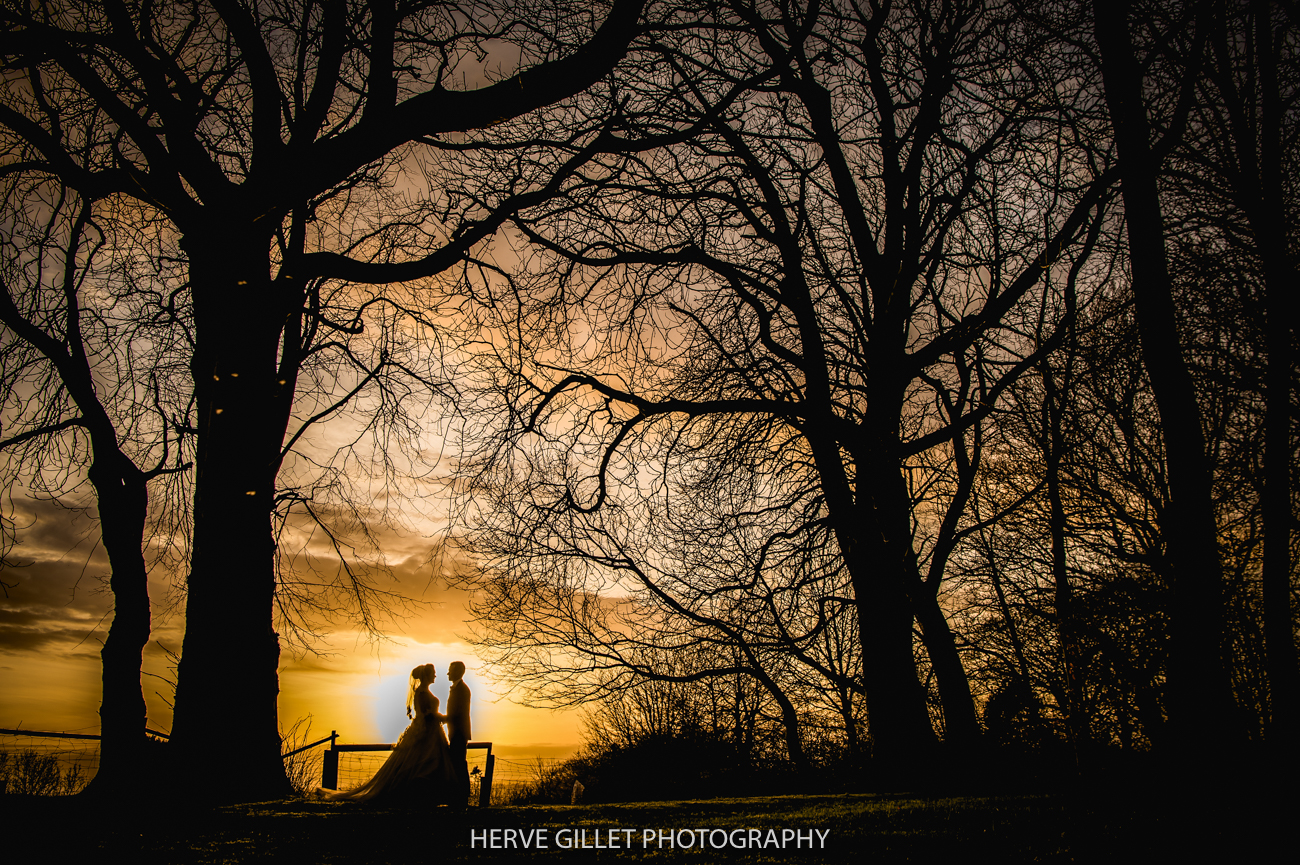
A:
(458, 732)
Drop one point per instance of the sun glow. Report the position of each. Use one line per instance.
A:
(362, 696)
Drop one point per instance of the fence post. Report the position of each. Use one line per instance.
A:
(329, 772)
(485, 788)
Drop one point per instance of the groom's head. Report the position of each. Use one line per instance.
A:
(456, 671)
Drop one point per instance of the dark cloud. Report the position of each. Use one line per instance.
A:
(43, 637)
(57, 602)
(306, 539)
(57, 585)
(316, 663)
(48, 532)
(20, 618)
(51, 606)
(61, 597)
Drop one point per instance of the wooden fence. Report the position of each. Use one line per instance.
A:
(329, 776)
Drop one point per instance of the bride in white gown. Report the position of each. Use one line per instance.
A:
(421, 754)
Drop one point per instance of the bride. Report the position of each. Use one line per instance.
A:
(421, 754)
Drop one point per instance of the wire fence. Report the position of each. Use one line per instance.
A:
(347, 766)
(63, 763)
(522, 779)
(508, 781)
(42, 764)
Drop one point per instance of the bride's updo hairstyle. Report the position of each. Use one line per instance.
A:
(418, 676)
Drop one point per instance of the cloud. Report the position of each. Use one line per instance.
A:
(334, 528)
(43, 637)
(53, 606)
(49, 532)
(58, 602)
(58, 612)
(402, 597)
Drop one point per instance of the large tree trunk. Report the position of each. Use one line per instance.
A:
(880, 560)
(1200, 697)
(228, 680)
(872, 531)
(870, 516)
(882, 563)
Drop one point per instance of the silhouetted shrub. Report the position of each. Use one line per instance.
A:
(303, 769)
(690, 765)
(28, 773)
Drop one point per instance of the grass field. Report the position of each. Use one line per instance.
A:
(814, 828)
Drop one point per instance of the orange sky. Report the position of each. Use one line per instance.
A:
(55, 611)
(52, 623)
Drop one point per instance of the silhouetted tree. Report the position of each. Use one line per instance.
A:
(809, 259)
(1066, 567)
(92, 371)
(1236, 178)
(240, 123)
(1199, 693)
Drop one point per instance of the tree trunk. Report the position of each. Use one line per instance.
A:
(871, 519)
(873, 537)
(1279, 627)
(228, 679)
(1200, 697)
(789, 720)
(1076, 723)
(1268, 218)
(881, 563)
(121, 490)
(123, 507)
(961, 729)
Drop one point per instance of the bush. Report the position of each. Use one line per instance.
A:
(659, 767)
(303, 769)
(28, 773)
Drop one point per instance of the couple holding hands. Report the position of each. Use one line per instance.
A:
(426, 763)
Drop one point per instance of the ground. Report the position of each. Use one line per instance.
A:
(1059, 827)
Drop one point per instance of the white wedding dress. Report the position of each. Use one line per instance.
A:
(421, 754)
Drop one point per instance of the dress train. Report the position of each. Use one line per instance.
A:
(421, 757)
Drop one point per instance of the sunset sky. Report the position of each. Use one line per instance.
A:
(55, 612)
(53, 621)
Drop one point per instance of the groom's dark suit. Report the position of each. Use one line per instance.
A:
(458, 735)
